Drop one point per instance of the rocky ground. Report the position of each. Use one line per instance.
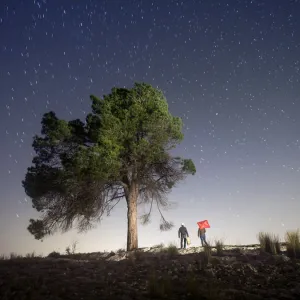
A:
(153, 273)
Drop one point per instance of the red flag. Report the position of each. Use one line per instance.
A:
(203, 224)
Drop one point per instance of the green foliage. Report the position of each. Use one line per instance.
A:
(188, 166)
(83, 169)
(37, 228)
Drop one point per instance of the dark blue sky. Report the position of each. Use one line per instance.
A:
(230, 69)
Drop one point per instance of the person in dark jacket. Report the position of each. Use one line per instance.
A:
(183, 234)
(201, 234)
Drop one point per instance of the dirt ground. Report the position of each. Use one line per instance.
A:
(151, 276)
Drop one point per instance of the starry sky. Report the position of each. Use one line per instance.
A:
(230, 69)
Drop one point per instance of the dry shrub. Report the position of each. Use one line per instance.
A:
(15, 256)
(292, 239)
(54, 254)
(219, 244)
(171, 250)
(139, 255)
(269, 243)
(121, 251)
(70, 250)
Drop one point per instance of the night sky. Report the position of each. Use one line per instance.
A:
(230, 69)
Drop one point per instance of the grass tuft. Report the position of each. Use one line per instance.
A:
(207, 254)
(292, 239)
(159, 287)
(171, 250)
(139, 255)
(3, 257)
(31, 255)
(121, 251)
(219, 244)
(269, 243)
(14, 255)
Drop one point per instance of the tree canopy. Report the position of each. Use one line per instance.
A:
(122, 151)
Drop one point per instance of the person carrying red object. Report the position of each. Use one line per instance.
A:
(202, 230)
(201, 234)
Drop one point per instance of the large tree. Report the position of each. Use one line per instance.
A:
(122, 151)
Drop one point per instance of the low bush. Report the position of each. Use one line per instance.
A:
(171, 250)
(54, 254)
(219, 244)
(269, 243)
(292, 239)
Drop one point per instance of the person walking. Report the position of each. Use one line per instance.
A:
(183, 235)
(201, 234)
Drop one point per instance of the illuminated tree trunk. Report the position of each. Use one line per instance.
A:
(132, 231)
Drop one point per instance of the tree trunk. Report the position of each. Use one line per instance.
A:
(132, 232)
